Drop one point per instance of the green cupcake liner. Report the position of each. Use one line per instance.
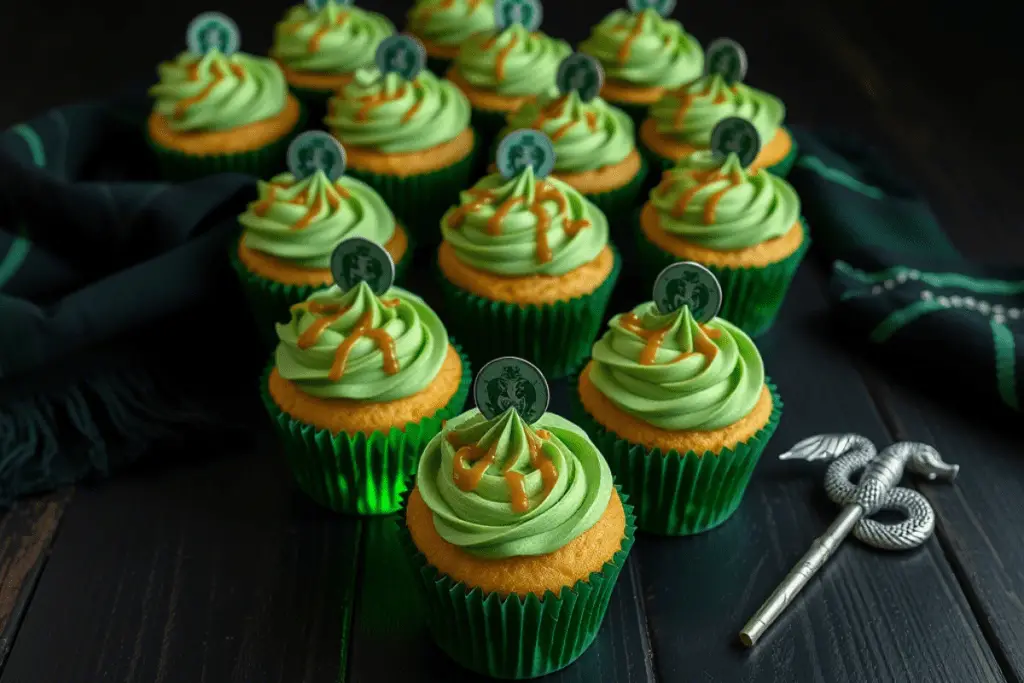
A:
(781, 169)
(488, 124)
(556, 337)
(515, 637)
(270, 301)
(679, 494)
(419, 201)
(751, 297)
(355, 473)
(315, 103)
(618, 204)
(178, 166)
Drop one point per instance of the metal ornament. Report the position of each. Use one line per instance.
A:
(735, 135)
(402, 55)
(315, 151)
(688, 284)
(511, 382)
(212, 31)
(727, 58)
(580, 73)
(528, 13)
(358, 259)
(876, 490)
(522, 149)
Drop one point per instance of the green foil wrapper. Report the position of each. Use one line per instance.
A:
(270, 301)
(555, 337)
(355, 473)
(265, 162)
(679, 494)
(419, 201)
(516, 637)
(751, 297)
(780, 169)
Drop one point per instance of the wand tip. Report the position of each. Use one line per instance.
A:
(746, 639)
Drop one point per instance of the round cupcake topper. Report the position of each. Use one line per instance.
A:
(315, 151)
(402, 55)
(727, 58)
(511, 382)
(213, 31)
(357, 259)
(529, 13)
(525, 148)
(580, 73)
(662, 7)
(688, 284)
(317, 5)
(734, 135)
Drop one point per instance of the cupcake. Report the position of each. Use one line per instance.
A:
(681, 122)
(517, 536)
(500, 70)
(527, 269)
(321, 44)
(745, 226)
(408, 136)
(643, 55)
(218, 110)
(681, 409)
(357, 388)
(444, 25)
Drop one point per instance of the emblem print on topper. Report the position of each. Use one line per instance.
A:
(402, 55)
(511, 382)
(525, 148)
(662, 7)
(727, 58)
(212, 31)
(529, 13)
(358, 259)
(581, 73)
(317, 5)
(735, 135)
(315, 151)
(688, 284)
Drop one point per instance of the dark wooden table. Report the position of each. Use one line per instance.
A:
(205, 564)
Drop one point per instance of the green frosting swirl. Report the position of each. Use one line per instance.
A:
(335, 40)
(747, 208)
(448, 22)
(325, 212)
(708, 101)
(676, 393)
(393, 115)
(662, 53)
(530, 64)
(482, 521)
(511, 248)
(420, 344)
(586, 135)
(215, 92)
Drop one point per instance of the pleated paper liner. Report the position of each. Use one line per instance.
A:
(679, 494)
(751, 297)
(515, 637)
(555, 337)
(355, 473)
(487, 125)
(270, 301)
(263, 162)
(419, 201)
(781, 169)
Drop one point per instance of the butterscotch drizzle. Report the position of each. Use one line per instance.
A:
(687, 99)
(262, 207)
(471, 462)
(499, 63)
(480, 198)
(627, 44)
(704, 179)
(655, 338)
(314, 41)
(367, 103)
(193, 75)
(331, 313)
(429, 10)
(555, 109)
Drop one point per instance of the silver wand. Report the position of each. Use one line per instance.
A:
(876, 490)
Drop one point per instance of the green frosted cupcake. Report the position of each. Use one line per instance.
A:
(290, 232)
(444, 25)
(681, 410)
(410, 140)
(527, 270)
(743, 225)
(217, 110)
(517, 537)
(357, 388)
(319, 50)
(643, 55)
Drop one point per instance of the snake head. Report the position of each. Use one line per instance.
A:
(927, 462)
(827, 447)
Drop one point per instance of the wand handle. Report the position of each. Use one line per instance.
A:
(812, 561)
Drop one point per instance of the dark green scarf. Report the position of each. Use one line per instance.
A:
(900, 287)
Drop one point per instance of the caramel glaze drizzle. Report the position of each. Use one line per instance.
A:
(704, 179)
(687, 99)
(553, 110)
(367, 103)
(654, 338)
(545, 192)
(471, 462)
(314, 40)
(333, 200)
(331, 313)
(627, 44)
(429, 11)
(193, 75)
(499, 63)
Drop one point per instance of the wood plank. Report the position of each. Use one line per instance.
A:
(215, 570)
(869, 617)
